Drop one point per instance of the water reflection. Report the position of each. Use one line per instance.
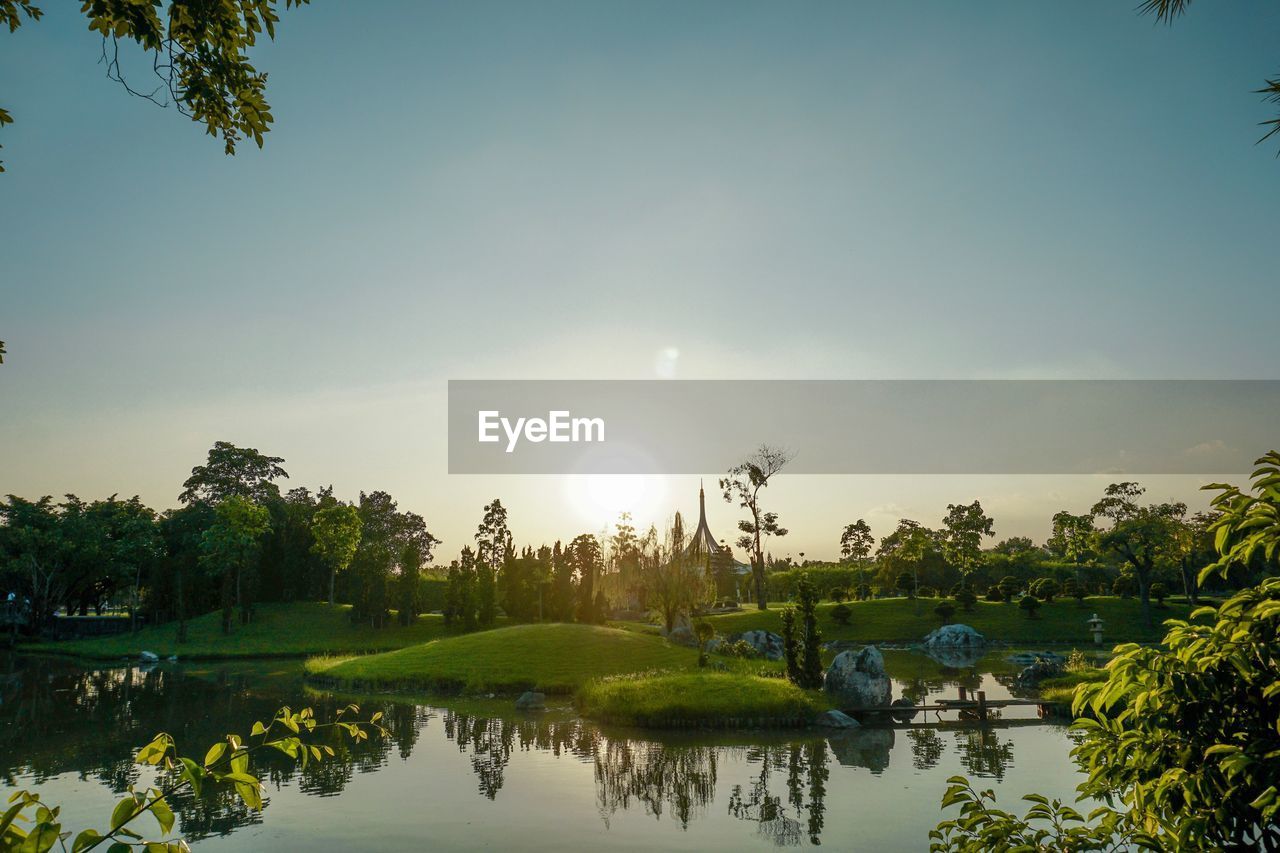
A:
(58, 719)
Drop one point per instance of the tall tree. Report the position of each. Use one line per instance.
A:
(230, 545)
(231, 470)
(743, 485)
(585, 558)
(962, 532)
(336, 531)
(493, 548)
(407, 583)
(1142, 536)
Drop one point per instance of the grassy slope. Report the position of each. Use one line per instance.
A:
(295, 629)
(697, 698)
(552, 658)
(897, 620)
(1061, 689)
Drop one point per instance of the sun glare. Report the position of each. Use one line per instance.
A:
(597, 500)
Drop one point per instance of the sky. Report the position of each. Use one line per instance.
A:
(626, 190)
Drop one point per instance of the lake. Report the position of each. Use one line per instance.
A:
(473, 774)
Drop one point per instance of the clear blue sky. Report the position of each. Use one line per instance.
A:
(568, 189)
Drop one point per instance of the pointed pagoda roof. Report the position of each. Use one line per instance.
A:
(702, 539)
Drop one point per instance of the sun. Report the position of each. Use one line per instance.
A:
(598, 499)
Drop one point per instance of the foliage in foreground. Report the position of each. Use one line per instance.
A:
(295, 734)
(1182, 744)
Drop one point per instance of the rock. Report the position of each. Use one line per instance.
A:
(172, 658)
(858, 679)
(766, 643)
(954, 636)
(836, 720)
(1038, 671)
(904, 709)
(1029, 658)
(681, 631)
(955, 646)
(531, 701)
(840, 645)
(149, 657)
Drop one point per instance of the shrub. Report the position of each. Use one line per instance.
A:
(1029, 604)
(1125, 585)
(1045, 589)
(1159, 592)
(966, 599)
(1009, 587)
(841, 613)
(839, 594)
(926, 592)
(738, 649)
(906, 584)
(945, 611)
(994, 593)
(864, 591)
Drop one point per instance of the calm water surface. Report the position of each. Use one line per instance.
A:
(472, 775)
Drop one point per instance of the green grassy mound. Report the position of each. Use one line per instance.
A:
(552, 658)
(278, 630)
(1059, 690)
(720, 700)
(903, 620)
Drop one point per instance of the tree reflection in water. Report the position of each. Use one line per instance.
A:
(57, 718)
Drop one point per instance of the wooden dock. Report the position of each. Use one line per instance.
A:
(976, 708)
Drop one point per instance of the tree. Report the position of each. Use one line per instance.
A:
(336, 530)
(36, 555)
(230, 545)
(1142, 536)
(1009, 587)
(966, 598)
(200, 52)
(1072, 538)
(841, 614)
(810, 637)
(743, 485)
(905, 582)
(962, 532)
(1029, 605)
(791, 645)
(385, 530)
(231, 470)
(493, 549)
(1046, 589)
(407, 582)
(1167, 10)
(672, 581)
(585, 558)
(1182, 736)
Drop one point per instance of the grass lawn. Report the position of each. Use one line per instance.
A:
(551, 658)
(295, 629)
(667, 700)
(902, 620)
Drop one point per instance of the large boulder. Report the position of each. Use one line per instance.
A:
(954, 636)
(531, 701)
(858, 679)
(955, 646)
(149, 657)
(681, 631)
(766, 643)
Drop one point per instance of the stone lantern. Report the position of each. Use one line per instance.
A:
(1095, 625)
